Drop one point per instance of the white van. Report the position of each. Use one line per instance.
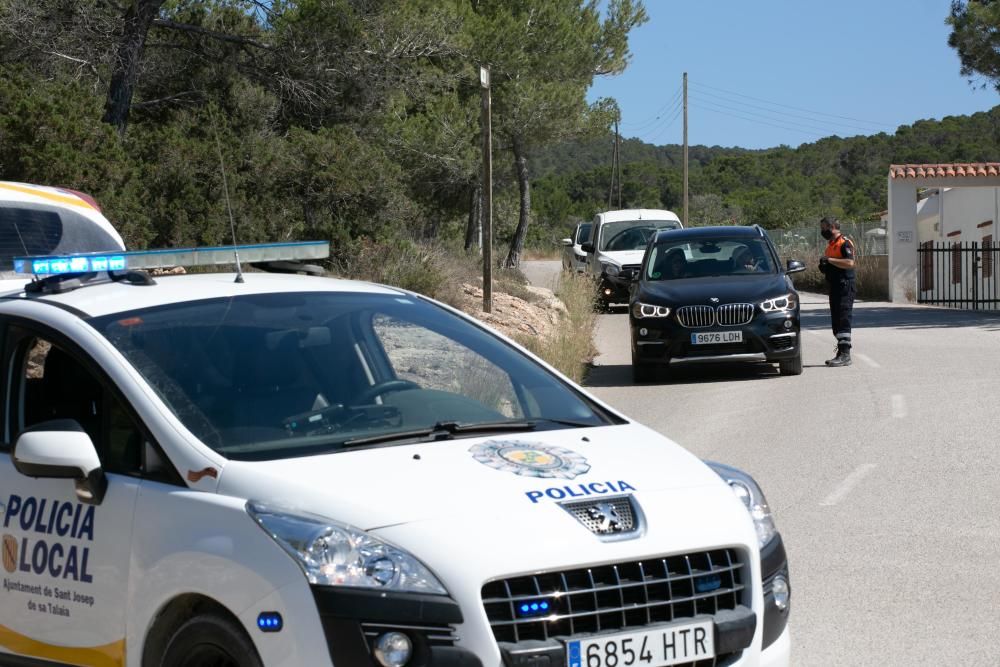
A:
(616, 244)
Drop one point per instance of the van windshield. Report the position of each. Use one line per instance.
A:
(631, 234)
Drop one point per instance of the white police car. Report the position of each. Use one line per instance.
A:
(295, 470)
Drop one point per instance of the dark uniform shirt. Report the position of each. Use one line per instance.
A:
(841, 248)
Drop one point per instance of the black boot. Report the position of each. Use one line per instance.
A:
(843, 357)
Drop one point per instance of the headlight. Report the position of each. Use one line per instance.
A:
(642, 310)
(580, 257)
(746, 489)
(779, 304)
(334, 554)
(611, 270)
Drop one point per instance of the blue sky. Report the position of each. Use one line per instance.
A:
(763, 73)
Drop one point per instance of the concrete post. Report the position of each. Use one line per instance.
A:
(902, 241)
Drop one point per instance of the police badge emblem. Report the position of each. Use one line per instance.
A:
(530, 459)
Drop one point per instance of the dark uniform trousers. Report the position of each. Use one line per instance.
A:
(842, 293)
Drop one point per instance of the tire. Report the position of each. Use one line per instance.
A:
(791, 366)
(210, 640)
(643, 373)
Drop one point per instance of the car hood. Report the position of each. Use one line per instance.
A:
(622, 257)
(727, 289)
(384, 486)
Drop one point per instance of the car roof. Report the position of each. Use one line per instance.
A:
(106, 298)
(633, 214)
(721, 231)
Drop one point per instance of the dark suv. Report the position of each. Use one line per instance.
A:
(714, 294)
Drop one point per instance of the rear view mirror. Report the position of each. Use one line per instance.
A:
(794, 266)
(61, 449)
(566, 242)
(587, 247)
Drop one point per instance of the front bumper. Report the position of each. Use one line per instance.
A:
(768, 337)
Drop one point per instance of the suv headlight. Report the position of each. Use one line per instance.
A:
(747, 490)
(611, 270)
(642, 310)
(335, 554)
(779, 304)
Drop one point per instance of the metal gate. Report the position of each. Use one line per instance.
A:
(959, 275)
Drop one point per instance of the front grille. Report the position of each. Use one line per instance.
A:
(734, 314)
(694, 317)
(629, 271)
(624, 595)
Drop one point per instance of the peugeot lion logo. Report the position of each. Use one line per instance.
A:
(606, 516)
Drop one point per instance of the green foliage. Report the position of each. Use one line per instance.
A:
(975, 35)
(777, 188)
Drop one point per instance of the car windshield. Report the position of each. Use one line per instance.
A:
(583, 234)
(269, 376)
(693, 258)
(631, 234)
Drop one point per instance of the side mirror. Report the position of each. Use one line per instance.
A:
(794, 266)
(61, 449)
(587, 247)
(566, 242)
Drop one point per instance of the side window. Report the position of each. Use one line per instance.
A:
(50, 383)
(436, 362)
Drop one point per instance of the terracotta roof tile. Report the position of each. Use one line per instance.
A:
(962, 169)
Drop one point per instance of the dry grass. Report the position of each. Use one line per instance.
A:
(870, 274)
(571, 346)
(440, 274)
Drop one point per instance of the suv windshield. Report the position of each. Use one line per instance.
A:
(269, 376)
(631, 234)
(692, 258)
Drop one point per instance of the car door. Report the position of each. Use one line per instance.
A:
(65, 561)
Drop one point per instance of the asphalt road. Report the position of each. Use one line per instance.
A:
(884, 477)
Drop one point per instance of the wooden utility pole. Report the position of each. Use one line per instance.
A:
(618, 161)
(614, 159)
(487, 209)
(685, 218)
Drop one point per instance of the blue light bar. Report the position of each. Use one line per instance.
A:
(97, 262)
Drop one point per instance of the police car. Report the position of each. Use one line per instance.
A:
(273, 468)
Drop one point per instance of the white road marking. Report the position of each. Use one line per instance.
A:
(848, 484)
(899, 410)
(868, 360)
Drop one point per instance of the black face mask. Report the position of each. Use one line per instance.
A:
(826, 233)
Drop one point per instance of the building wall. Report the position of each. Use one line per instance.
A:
(964, 210)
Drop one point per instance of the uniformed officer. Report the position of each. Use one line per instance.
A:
(837, 264)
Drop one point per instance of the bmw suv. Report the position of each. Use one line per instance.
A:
(714, 294)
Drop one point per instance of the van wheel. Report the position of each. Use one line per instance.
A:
(791, 366)
(208, 640)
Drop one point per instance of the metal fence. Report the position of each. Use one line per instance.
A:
(869, 239)
(959, 275)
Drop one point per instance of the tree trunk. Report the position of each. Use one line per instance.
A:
(517, 243)
(473, 229)
(125, 73)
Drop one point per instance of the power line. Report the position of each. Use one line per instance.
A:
(651, 120)
(788, 106)
(785, 113)
(816, 128)
(762, 122)
(666, 127)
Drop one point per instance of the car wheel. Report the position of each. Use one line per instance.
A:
(791, 366)
(210, 640)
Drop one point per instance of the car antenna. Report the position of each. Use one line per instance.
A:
(225, 189)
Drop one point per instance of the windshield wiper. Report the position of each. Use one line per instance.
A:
(443, 431)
